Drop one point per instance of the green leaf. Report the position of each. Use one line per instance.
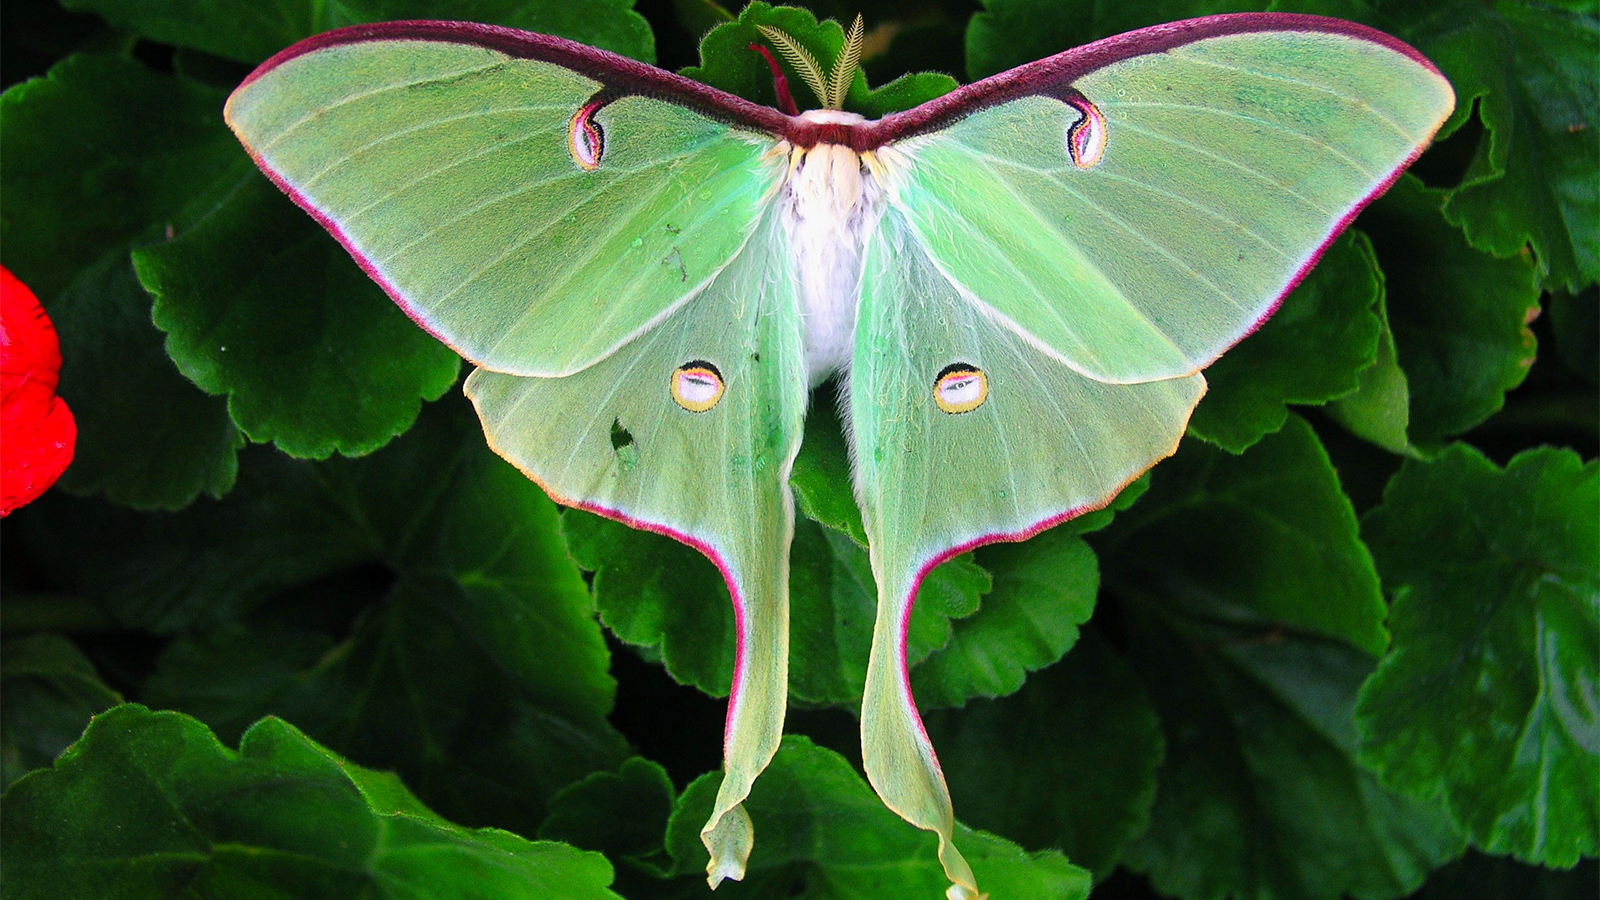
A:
(1496, 621)
(833, 599)
(656, 593)
(1528, 71)
(100, 153)
(147, 437)
(151, 804)
(1266, 539)
(250, 35)
(205, 565)
(412, 689)
(99, 156)
(909, 90)
(821, 476)
(1312, 350)
(726, 62)
(51, 691)
(1068, 762)
(1379, 410)
(259, 303)
(1533, 182)
(623, 814)
(1043, 590)
(474, 664)
(1260, 795)
(1012, 32)
(1249, 607)
(822, 833)
(1458, 319)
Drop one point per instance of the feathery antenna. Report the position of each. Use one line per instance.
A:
(798, 57)
(830, 87)
(844, 67)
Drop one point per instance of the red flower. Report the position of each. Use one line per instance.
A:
(37, 432)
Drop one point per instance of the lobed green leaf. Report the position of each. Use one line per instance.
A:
(1496, 621)
(1458, 319)
(1533, 182)
(1251, 612)
(623, 814)
(150, 803)
(1266, 540)
(1260, 795)
(334, 367)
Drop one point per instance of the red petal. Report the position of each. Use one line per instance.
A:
(37, 431)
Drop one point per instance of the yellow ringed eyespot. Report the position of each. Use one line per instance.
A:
(960, 388)
(697, 385)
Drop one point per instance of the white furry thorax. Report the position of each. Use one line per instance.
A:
(831, 199)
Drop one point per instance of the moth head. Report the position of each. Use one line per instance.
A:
(831, 85)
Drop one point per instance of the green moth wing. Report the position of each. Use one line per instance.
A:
(1062, 248)
(966, 433)
(1144, 218)
(467, 180)
(691, 429)
(600, 237)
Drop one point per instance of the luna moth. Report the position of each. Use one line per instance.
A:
(1017, 285)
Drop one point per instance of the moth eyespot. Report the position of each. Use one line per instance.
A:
(1086, 138)
(697, 386)
(585, 139)
(960, 388)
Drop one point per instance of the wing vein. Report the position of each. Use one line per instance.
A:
(1270, 76)
(1003, 162)
(1235, 163)
(1133, 230)
(354, 152)
(1365, 172)
(494, 201)
(362, 95)
(439, 170)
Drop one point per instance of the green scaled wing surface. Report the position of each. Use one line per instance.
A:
(691, 429)
(602, 239)
(1062, 249)
(529, 215)
(1153, 211)
(1040, 444)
